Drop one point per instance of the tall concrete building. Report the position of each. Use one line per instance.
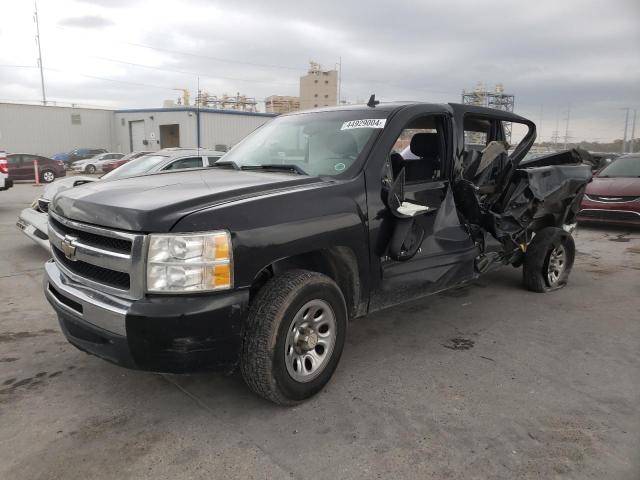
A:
(281, 104)
(318, 88)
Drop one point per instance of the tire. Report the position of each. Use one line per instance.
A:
(275, 341)
(548, 260)
(47, 176)
(90, 169)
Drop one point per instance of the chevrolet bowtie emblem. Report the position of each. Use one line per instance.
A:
(69, 247)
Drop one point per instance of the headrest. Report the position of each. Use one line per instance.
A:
(343, 144)
(425, 145)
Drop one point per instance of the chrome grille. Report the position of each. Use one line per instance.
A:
(611, 198)
(106, 276)
(111, 261)
(613, 215)
(100, 241)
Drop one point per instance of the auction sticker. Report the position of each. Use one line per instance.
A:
(364, 123)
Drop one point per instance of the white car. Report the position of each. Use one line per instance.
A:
(32, 221)
(5, 182)
(94, 164)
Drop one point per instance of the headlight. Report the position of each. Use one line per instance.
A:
(199, 262)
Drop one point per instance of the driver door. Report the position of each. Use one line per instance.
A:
(419, 243)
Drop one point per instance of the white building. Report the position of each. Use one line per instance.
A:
(46, 130)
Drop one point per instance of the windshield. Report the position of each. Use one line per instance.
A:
(622, 167)
(136, 167)
(320, 143)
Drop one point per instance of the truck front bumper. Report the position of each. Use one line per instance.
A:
(172, 334)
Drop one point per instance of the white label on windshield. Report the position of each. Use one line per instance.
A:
(364, 123)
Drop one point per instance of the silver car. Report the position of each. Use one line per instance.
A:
(32, 221)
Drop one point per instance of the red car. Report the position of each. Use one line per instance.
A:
(107, 167)
(613, 197)
(21, 167)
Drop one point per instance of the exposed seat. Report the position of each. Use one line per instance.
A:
(425, 146)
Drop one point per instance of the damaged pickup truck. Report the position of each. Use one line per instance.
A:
(310, 222)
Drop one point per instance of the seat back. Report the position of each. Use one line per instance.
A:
(425, 146)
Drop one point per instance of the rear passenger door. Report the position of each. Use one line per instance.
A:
(15, 167)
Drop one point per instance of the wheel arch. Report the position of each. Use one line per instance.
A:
(338, 263)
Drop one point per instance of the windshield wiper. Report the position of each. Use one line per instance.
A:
(290, 167)
(226, 164)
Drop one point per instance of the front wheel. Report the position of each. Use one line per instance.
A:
(293, 336)
(548, 260)
(91, 169)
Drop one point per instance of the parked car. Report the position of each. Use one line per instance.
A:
(169, 159)
(5, 182)
(77, 154)
(312, 220)
(108, 166)
(614, 195)
(32, 221)
(21, 167)
(601, 160)
(94, 164)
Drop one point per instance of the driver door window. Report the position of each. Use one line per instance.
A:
(190, 162)
(419, 151)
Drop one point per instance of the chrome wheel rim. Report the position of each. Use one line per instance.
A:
(311, 338)
(557, 264)
(48, 176)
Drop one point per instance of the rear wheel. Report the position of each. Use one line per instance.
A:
(293, 336)
(548, 260)
(47, 176)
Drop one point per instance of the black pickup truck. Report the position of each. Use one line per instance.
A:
(316, 219)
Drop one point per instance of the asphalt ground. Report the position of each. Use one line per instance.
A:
(487, 381)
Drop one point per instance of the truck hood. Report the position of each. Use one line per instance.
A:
(614, 186)
(154, 203)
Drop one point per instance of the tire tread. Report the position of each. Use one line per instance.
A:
(260, 333)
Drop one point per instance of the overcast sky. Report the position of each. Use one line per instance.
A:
(552, 55)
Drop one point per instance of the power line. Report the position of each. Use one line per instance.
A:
(194, 74)
(198, 55)
(95, 77)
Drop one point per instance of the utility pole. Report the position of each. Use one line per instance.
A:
(35, 19)
(626, 125)
(566, 128)
(633, 131)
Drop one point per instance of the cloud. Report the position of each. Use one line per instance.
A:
(86, 21)
(550, 54)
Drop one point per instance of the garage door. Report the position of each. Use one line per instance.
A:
(136, 136)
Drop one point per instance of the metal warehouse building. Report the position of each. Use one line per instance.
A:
(46, 130)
